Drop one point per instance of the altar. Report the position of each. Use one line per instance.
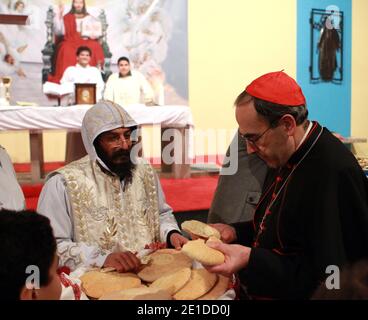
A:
(38, 119)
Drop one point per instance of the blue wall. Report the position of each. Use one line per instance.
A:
(328, 103)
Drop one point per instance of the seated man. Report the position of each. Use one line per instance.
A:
(82, 72)
(108, 204)
(127, 86)
(70, 26)
(27, 249)
(11, 194)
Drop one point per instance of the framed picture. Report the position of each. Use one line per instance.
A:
(85, 93)
(326, 47)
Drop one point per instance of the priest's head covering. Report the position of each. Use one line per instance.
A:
(277, 87)
(103, 116)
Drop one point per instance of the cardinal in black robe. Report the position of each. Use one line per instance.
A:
(319, 219)
(313, 212)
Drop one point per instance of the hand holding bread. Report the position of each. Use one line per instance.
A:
(198, 229)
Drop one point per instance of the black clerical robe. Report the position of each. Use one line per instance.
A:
(313, 213)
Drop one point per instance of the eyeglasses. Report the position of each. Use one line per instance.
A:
(253, 140)
(115, 138)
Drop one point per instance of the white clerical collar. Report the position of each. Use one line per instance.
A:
(80, 66)
(305, 134)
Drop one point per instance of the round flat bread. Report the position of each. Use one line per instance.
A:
(173, 282)
(142, 293)
(95, 283)
(198, 250)
(201, 281)
(200, 229)
(164, 262)
(218, 290)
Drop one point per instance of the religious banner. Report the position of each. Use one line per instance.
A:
(151, 33)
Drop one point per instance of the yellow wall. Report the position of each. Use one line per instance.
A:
(17, 145)
(230, 43)
(359, 101)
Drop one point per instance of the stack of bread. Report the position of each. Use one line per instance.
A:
(169, 273)
(198, 249)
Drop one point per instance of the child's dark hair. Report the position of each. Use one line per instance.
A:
(123, 59)
(26, 239)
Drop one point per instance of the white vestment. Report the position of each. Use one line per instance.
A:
(91, 213)
(128, 90)
(11, 194)
(79, 74)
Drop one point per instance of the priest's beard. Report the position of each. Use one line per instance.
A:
(119, 163)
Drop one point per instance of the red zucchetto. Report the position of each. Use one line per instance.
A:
(277, 87)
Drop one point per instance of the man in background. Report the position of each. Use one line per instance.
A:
(237, 195)
(128, 86)
(82, 72)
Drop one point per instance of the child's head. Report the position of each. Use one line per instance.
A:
(28, 268)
